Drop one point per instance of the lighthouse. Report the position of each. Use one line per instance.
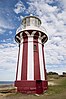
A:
(31, 70)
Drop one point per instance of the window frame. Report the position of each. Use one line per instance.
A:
(35, 47)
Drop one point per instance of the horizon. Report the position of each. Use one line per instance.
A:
(14, 80)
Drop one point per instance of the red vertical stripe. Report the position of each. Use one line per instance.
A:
(18, 62)
(24, 59)
(44, 61)
(36, 61)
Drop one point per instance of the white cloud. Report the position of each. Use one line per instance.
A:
(5, 24)
(8, 60)
(63, 2)
(5, 21)
(21, 17)
(56, 68)
(19, 7)
(49, 1)
(54, 20)
(2, 30)
(10, 32)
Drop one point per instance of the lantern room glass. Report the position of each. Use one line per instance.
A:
(31, 21)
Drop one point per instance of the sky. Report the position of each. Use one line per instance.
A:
(53, 16)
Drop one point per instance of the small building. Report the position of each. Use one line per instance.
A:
(31, 71)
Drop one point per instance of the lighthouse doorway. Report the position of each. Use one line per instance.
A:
(39, 89)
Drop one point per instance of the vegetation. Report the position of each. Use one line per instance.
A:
(53, 92)
(52, 73)
(57, 89)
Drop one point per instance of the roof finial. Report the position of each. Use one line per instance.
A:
(31, 14)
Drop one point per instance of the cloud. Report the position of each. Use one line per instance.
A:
(56, 68)
(53, 16)
(54, 20)
(8, 60)
(21, 17)
(10, 32)
(5, 24)
(19, 7)
(2, 30)
(6, 20)
(63, 3)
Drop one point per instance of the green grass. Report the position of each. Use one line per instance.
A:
(63, 82)
(59, 88)
(53, 92)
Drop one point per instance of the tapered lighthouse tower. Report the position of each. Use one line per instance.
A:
(31, 71)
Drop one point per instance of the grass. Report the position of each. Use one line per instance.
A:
(53, 92)
(59, 88)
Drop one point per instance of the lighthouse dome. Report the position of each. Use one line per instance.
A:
(31, 23)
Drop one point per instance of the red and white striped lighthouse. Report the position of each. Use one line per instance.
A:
(31, 71)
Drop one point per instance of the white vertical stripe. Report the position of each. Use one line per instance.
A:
(20, 62)
(41, 61)
(30, 67)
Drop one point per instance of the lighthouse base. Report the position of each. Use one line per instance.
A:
(36, 86)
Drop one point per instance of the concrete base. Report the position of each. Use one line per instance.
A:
(36, 86)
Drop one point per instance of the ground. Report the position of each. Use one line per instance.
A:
(56, 90)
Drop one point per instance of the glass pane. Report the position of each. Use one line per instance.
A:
(27, 21)
(39, 23)
(36, 22)
(32, 21)
(24, 23)
(34, 47)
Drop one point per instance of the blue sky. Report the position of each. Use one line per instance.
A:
(53, 16)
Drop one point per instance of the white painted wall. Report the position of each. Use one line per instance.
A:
(41, 60)
(20, 62)
(30, 67)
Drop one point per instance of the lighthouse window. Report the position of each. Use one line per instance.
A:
(28, 21)
(32, 21)
(34, 47)
(39, 23)
(24, 23)
(36, 22)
